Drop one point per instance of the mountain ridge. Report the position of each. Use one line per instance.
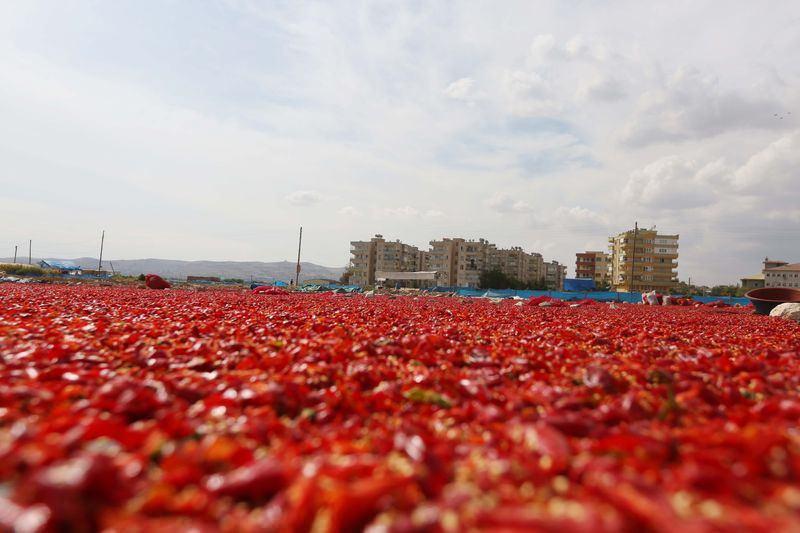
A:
(178, 269)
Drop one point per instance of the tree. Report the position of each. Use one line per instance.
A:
(495, 279)
(727, 290)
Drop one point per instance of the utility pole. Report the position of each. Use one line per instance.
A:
(633, 258)
(30, 247)
(15, 253)
(299, 245)
(102, 240)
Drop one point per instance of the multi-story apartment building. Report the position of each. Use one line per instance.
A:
(380, 255)
(781, 274)
(473, 257)
(362, 262)
(518, 264)
(644, 260)
(395, 256)
(456, 262)
(442, 258)
(593, 265)
(554, 275)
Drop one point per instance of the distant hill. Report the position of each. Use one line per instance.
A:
(278, 270)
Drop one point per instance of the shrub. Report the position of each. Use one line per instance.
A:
(22, 270)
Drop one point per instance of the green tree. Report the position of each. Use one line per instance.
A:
(727, 290)
(495, 279)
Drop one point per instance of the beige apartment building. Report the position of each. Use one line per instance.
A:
(644, 260)
(395, 256)
(593, 265)
(473, 258)
(457, 262)
(555, 274)
(380, 255)
(442, 257)
(362, 262)
(518, 264)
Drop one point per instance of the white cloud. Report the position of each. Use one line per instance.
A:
(403, 211)
(577, 215)
(349, 211)
(460, 89)
(674, 183)
(502, 202)
(690, 105)
(304, 198)
(406, 211)
(775, 170)
(601, 88)
(530, 94)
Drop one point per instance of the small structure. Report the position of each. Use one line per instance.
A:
(62, 267)
(419, 278)
(755, 281)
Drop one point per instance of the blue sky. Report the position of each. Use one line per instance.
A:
(211, 130)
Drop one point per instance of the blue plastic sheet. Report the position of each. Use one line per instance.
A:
(578, 285)
(608, 296)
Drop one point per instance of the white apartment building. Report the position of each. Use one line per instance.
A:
(781, 274)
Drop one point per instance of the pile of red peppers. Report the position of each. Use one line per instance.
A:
(125, 409)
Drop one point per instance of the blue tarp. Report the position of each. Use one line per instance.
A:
(59, 265)
(631, 297)
(578, 284)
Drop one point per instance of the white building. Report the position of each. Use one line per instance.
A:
(785, 275)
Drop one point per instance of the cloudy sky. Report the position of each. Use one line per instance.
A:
(212, 130)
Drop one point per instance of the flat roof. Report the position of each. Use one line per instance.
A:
(793, 266)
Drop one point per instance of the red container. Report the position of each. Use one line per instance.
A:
(765, 300)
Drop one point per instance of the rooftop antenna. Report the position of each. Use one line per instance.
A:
(299, 246)
(102, 240)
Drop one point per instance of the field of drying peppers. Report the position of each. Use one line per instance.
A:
(133, 410)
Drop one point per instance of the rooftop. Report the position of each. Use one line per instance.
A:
(792, 266)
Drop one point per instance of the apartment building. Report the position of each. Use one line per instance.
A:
(473, 257)
(644, 260)
(442, 258)
(593, 265)
(554, 275)
(518, 264)
(362, 262)
(457, 262)
(380, 255)
(781, 274)
(395, 256)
